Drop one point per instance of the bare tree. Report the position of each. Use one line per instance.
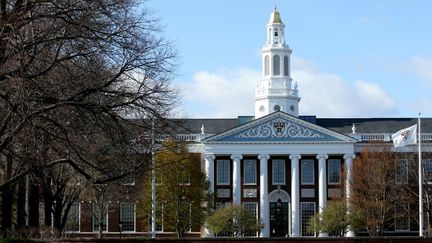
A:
(74, 73)
(411, 189)
(377, 189)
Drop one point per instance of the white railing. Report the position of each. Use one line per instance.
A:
(426, 136)
(386, 137)
(361, 137)
(184, 137)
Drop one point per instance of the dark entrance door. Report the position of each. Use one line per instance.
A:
(278, 219)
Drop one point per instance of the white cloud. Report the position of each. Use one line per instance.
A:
(227, 93)
(328, 95)
(230, 93)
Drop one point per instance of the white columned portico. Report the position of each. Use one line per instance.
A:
(236, 178)
(264, 202)
(295, 194)
(322, 185)
(348, 177)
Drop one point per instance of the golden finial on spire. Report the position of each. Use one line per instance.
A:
(275, 16)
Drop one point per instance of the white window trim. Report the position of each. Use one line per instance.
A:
(162, 219)
(107, 219)
(134, 215)
(409, 220)
(301, 217)
(79, 220)
(273, 171)
(229, 172)
(256, 212)
(328, 172)
(187, 183)
(190, 217)
(256, 207)
(244, 172)
(313, 172)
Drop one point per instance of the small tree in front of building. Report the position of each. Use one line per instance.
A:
(335, 219)
(234, 220)
(183, 199)
(378, 188)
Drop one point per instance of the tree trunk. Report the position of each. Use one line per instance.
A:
(7, 197)
(48, 203)
(21, 207)
(33, 202)
(58, 214)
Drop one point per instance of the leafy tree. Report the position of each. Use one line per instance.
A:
(335, 219)
(234, 219)
(182, 190)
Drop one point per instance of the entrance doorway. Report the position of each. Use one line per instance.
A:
(279, 219)
(280, 213)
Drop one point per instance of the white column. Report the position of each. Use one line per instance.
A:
(322, 185)
(348, 177)
(264, 203)
(209, 171)
(295, 195)
(236, 178)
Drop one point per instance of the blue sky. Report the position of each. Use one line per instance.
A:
(359, 58)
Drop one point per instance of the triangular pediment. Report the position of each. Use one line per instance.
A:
(279, 127)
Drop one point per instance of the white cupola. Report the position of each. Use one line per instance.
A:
(275, 91)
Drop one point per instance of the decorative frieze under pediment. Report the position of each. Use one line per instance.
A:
(279, 127)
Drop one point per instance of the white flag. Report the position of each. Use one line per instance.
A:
(405, 136)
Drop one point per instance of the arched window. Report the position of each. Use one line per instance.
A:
(276, 32)
(276, 65)
(286, 65)
(266, 66)
(269, 34)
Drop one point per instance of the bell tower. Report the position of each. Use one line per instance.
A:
(275, 91)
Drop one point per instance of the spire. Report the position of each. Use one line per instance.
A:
(275, 17)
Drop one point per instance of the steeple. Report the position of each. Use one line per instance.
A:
(275, 90)
(275, 17)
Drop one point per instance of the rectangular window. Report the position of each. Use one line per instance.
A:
(307, 211)
(250, 171)
(184, 177)
(100, 216)
(401, 171)
(334, 170)
(127, 217)
(73, 218)
(251, 207)
(185, 213)
(427, 168)
(402, 217)
(278, 171)
(159, 217)
(307, 174)
(223, 172)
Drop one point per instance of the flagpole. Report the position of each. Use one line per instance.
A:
(420, 180)
(153, 181)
